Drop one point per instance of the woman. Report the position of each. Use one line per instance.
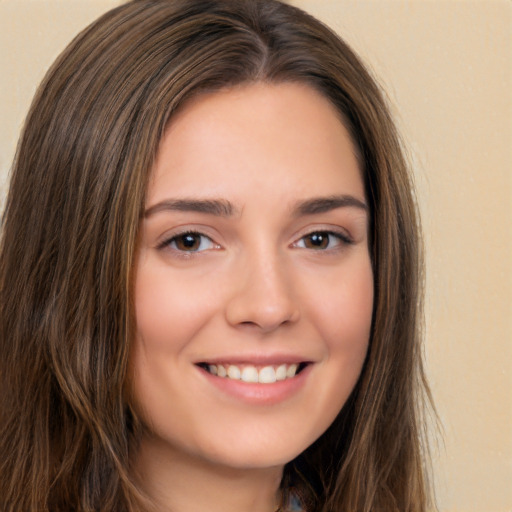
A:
(210, 274)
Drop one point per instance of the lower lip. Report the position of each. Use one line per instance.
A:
(259, 394)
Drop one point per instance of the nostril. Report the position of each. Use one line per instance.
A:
(264, 325)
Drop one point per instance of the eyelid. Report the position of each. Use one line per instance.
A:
(165, 244)
(341, 235)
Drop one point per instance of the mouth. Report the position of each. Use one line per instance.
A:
(267, 374)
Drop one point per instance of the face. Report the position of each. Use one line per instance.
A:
(254, 287)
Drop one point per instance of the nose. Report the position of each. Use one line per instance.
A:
(263, 295)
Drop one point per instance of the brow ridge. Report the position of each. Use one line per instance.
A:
(224, 208)
(217, 207)
(325, 204)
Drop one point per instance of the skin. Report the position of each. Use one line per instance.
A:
(256, 285)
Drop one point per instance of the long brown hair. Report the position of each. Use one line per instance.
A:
(69, 242)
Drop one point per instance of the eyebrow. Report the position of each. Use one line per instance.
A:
(326, 204)
(223, 208)
(217, 207)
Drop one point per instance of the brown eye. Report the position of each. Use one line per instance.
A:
(318, 240)
(323, 240)
(189, 242)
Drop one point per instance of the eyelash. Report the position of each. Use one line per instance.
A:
(341, 237)
(168, 243)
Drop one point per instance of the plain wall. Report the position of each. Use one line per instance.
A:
(446, 66)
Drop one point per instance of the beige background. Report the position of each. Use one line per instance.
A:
(447, 68)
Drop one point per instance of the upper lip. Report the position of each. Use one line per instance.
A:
(256, 359)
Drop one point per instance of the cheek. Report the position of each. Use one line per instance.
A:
(169, 309)
(342, 316)
(345, 311)
(344, 319)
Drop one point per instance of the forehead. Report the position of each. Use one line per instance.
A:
(287, 135)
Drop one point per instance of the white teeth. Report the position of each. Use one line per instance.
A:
(267, 375)
(234, 372)
(281, 372)
(291, 371)
(249, 373)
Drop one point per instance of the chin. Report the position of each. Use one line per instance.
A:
(256, 448)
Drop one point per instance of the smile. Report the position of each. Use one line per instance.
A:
(251, 374)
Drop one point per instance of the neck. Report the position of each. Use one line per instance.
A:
(179, 482)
